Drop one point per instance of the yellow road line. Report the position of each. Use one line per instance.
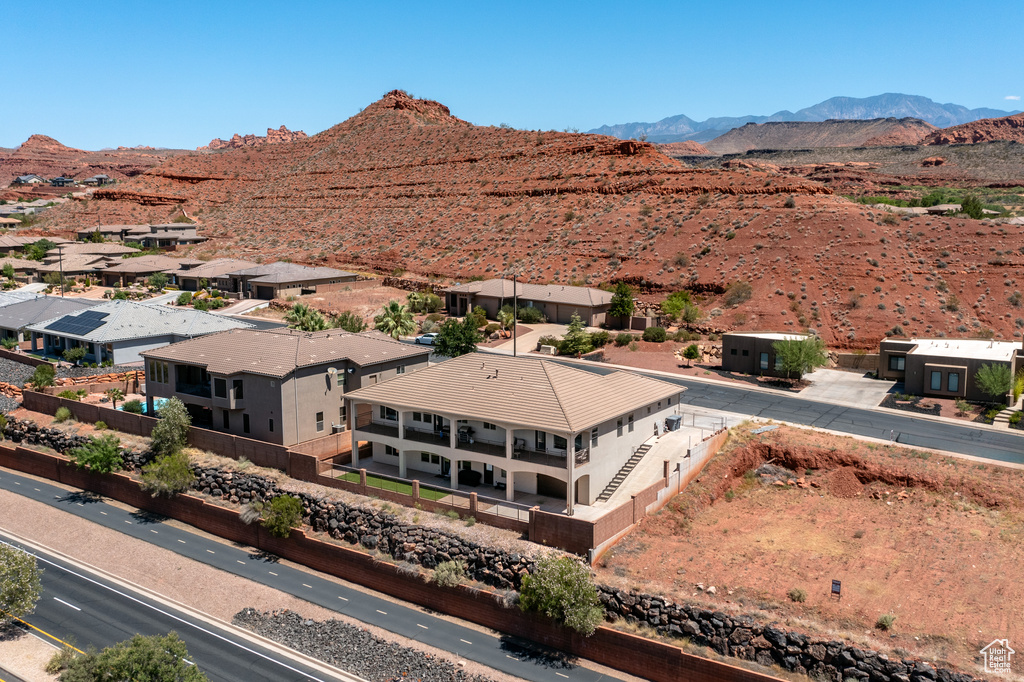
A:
(56, 639)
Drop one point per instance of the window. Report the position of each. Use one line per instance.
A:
(319, 421)
(435, 459)
(245, 423)
(390, 451)
(593, 438)
(953, 382)
(236, 384)
(467, 466)
(778, 363)
(490, 427)
(220, 388)
(559, 443)
(764, 361)
(618, 428)
(270, 425)
(388, 413)
(746, 353)
(341, 378)
(732, 351)
(936, 384)
(343, 415)
(227, 420)
(401, 369)
(649, 408)
(897, 363)
(425, 457)
(417, 416)
(631, 423)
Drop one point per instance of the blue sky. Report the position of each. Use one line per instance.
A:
(176, 74)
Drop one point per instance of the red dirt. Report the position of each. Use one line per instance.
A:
(934, 540)
(986, 130)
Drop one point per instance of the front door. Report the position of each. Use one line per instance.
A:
(541, 441)
(488, 474)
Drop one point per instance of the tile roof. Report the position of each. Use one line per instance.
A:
(132, 320)
(104, 248)
(278, 352)
(18, 315)
(541, 394)
(554, 293)
(8, 241)
(149, 264)
(218, 267)
(281, 272)
(10, 297)
(77, 262)
(19, 263)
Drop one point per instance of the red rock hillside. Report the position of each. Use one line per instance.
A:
(686, 148)
(1009, 128)
(406, 186)
(282, 134)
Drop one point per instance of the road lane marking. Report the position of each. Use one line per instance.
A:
(66, 603)
(343, 598)
(561, 675)
(104, 513)
(309, 586)
(271, 573)
(37, 490)
(422, 626)
(211, 551)
(382, 612)
(240, 561)
(44, 632)
(182, 542)
(153, 531)
(465, 641)
(128, 522)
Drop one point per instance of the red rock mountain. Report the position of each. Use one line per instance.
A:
(1010, 128)
(810, 134)
(406, 186)
(687, 148)
(282, 134)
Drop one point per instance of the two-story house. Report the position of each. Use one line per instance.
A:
(281, 386)
(531, 426)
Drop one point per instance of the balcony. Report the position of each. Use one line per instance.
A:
(493, 449)
(439, 438)
(556, 461)
(378, 429)
(582, 457)
(197, 390)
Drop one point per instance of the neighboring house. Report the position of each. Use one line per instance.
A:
(11, 243)
(97, 180)
(22, 267)
(15, 317)
(109, 232)
(281, 386)
(170, 234)
(10, 297)
(555, 301)
(30, 179)
(532, 426)
(75, 265)
(945, 367)
(9, 223)
(280, 279)
(120, 331)
(61, 181)
(137, 269)
(754, 352)
(88, 248)
(216, 273)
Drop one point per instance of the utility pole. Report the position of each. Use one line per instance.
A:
(60, 256)
(515, 312)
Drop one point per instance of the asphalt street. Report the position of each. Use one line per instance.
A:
(501, 653)
(86, 610)
(1003, 446)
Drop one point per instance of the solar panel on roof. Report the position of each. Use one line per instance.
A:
(79, 325)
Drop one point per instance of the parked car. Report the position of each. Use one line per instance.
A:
(427, 339)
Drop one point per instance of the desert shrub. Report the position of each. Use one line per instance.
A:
(184, 298)
(75, 354)
(171, 432)
(448, 573)
(429, 327)
(168, 475)
(102, 455)
(1018, 385)
(599, 339)
(62, 414)
(132, 406)
(962, 407)
(994, 380)
(623, 339)
(737, 293)
(790, 202)
(491, 328)
(69, 395)
(1016, 417)
(9, 343)
(101, 425)
(681, 260)
(797, 595)
(655, 334)
(282, 514)
(561, 588)
(349, 321)
(885, 622)
(531, 315)
(549, 341)
(633, 345)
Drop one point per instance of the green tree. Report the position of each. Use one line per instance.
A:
(132, 406)
(20, 585)
(158, 280)
(679, 307)
(415, 301)
(348, 321)
(43, 376)
(507, 319)
(115, 394)
(971, 205)
(101, 455)
(283, 513)
(691, 353)
(622, 301)
(432, 303)
(995, 380)
(37, 250)
(457, 338)
(561, 588)
(304, 318)
(184, 298)
(168, 475)
(799, 356)
(96, 237)
(171, 433)
(8, 271)
(395, 320)
(576, 341)
(75, 354)
(140, 659)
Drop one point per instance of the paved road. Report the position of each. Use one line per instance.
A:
(9, 677)
(86, 610)
(1003, 446)
(501, 653)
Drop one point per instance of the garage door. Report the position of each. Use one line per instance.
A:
(264, 293)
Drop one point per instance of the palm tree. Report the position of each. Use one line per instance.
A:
(415, 301)
(395, 320)
(506, 319)
(304, 318)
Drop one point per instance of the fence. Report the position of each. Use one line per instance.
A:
(22, 358)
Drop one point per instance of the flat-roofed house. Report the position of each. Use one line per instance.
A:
(945, 367)
(754, 352)
(280, 279)
(109, 232)
(120, 331)
(281, 386)
(532, 426)
(14, 318)
(556, 302)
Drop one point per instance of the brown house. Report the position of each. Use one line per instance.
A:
(754, 352)
(945, 367)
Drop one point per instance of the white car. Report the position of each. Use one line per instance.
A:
(427, 339)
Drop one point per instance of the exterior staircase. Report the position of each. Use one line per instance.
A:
(1003, 418)
(624, 472)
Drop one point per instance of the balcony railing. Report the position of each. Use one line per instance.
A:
(430, 437)
(198, 390)
(378, 429)
(544, 458)
(493, 449)
(582, 457)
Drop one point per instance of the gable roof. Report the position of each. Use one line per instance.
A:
(279, 352)
(18, 315)
(281, 272)
(541, 394)
(554, 293)
(122, 320)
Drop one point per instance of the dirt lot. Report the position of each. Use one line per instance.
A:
(365, 302)
(934, 541)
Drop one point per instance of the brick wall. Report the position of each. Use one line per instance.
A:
(22, 358)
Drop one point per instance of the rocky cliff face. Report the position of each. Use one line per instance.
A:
(1010, 128)
(237, 141)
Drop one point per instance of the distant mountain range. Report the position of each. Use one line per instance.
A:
(890, 105)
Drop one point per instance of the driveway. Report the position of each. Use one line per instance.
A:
(845, 388)
(528, 342)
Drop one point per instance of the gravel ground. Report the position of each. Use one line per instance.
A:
(96, 371)
(352, 648)
(16, 373)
